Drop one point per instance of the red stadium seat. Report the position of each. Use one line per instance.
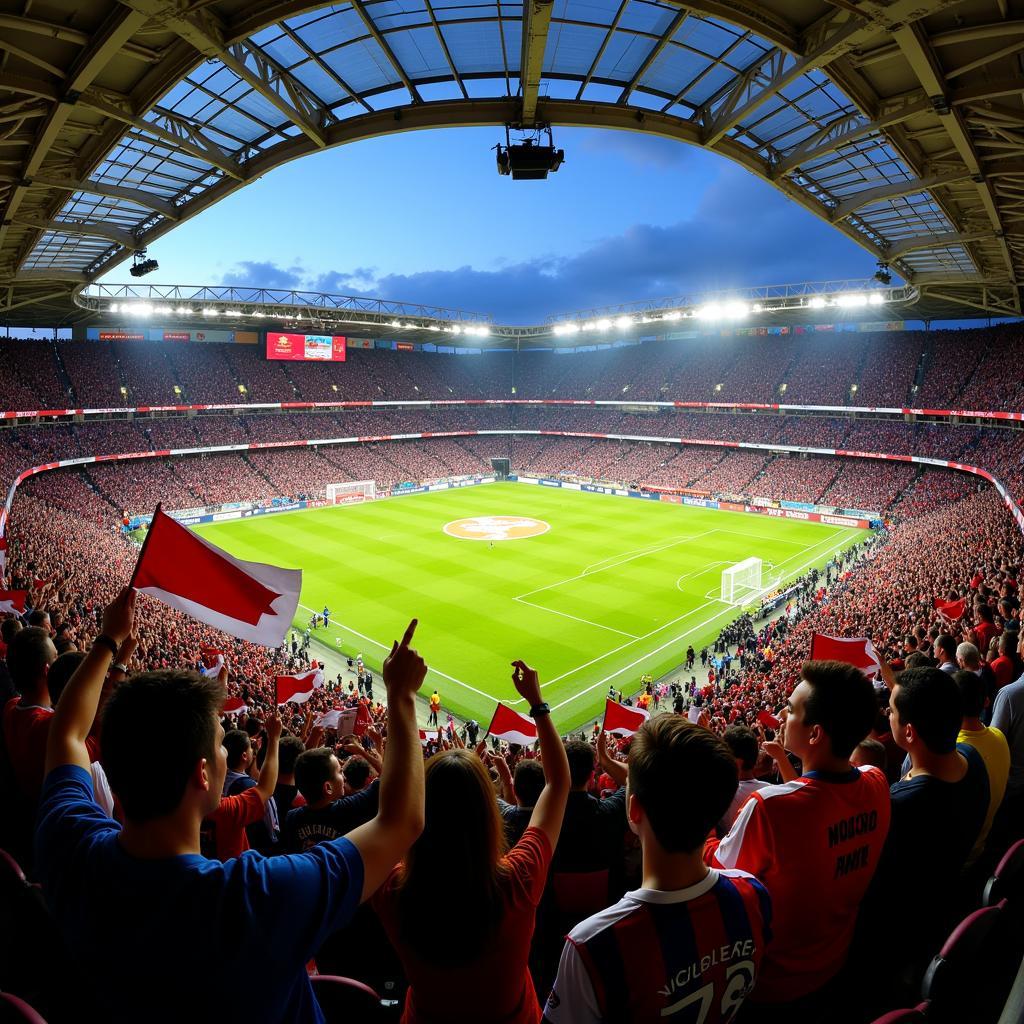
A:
(916, 1015)
(1007, 881)
(959, 984)
(16, 1011)
(345, 1000)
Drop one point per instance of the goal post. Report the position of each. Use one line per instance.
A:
(350, 492)
(741, 581)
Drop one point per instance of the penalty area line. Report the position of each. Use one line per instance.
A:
(387, 647)
(555, 611)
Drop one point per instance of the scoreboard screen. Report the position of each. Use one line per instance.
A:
(316, 348)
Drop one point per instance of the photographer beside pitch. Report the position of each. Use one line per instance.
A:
(167, 934)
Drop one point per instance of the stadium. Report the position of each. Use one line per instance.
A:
(670, 646)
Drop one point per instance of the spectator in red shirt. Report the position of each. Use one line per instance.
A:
(1006, 667)
(227, 824)
(984, 627)
(459, 973)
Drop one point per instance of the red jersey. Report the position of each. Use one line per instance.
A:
(498, 978)
(815, 843)
(26, 731)
(233, 813)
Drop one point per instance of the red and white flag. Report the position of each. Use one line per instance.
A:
(513, 726)
(341, 719)
(768, 720)
(250, 600)
(3, 555)
(298, 689)
(621, 720)
(38, 584)
(363, 719)
(951, 611)
(233, 706)
(212, 660)
(857, 651)
(13, 601)
(428, 736)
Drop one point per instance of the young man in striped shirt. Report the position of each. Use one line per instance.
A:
(690, 941)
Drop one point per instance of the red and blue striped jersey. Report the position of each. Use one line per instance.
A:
(690, 956)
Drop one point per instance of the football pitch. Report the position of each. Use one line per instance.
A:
(593, 590)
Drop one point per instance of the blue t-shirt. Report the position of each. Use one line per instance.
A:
(186, 938)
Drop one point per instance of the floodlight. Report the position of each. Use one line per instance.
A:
(876, 298)
(527, 160)
(623, 322)
(603, 325)
(674, 315)
(712, 311)
(210, 311)
(735, 310)
(851, 299)
(113, 308)
(817, 302)
(141, 266)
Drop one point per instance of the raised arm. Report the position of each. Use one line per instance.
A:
(383, 841)
(268, 773)
(550, 809)
(616, 769)
(76, 709)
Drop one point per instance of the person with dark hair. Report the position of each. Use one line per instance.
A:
(938, 810)
(153, 923)
(527, 784)
(944, 650)
(455, 970)
(39, 618)
(328, 812)
(742, 741)
(262, 832)
(869, 752)
(593, 829)
(814, 842)
(1007, 665)
(357, 773)
(691, 934)
(989, 742)
(286, 791)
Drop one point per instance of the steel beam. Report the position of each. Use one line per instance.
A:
(918, 242)
(90, 229)
(137, 196)
(536, 22)
(880, 193)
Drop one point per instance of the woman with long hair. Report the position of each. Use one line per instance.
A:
(460, 908)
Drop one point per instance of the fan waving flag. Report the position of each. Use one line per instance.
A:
(13, 601)
(428, 736)
(510, 725)
(212, 660)
(620, 720)
(341, 719)
(298, 689)
(250, 600)
(951, 611)
(363, 719)
(233, 705)
(857, 651)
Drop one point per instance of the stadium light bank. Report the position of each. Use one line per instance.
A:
(728, 310)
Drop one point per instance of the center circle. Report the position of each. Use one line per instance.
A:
(496, 528)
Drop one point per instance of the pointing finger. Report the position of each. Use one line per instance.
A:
(409, 630)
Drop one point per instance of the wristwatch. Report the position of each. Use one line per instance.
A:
(119, 667)
(539, 709)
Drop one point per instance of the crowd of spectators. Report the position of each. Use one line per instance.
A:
(957, 369)
(502, 853)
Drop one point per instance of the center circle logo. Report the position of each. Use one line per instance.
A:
(496, 528)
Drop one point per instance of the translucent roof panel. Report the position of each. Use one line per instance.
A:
(303, 74)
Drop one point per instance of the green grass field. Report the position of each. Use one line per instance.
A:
(615, 588)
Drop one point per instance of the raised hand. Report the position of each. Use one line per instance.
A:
(119, 616)
(526, 682)
(273, 726)
(404, 669)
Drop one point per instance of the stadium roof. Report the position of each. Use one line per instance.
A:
(901, 123)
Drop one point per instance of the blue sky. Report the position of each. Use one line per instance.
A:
(425, 217)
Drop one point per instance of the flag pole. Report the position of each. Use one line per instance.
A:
(488, 733)
(138, 561)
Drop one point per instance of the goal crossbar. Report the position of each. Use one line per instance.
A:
(351, 491)
(742, 580)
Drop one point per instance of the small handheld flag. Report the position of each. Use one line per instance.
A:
(622, 720)
(857, 651)
(513, 726)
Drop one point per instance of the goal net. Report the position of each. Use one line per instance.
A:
(354, 490)
(742, 581)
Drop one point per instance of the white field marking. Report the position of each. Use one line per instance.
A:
(387, 647)
(637, 552)
(622, 561)
(697, 572)
(555, 611)
(668, 643)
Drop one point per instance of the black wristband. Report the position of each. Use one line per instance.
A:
(107, 641)
(539, 709)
